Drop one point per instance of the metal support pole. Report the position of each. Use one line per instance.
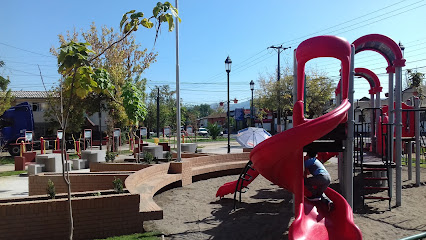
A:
(100, 124)
(294, 99)
(389, 147)
(417, 138)
(178, 119)
(410, 159)
(391, 115)
(372, 124)
(229, 129)
(158, 112)
(252, 110)
(398, 134)
(294, 77)
(279, 95)
(348, 161)
(377, 120)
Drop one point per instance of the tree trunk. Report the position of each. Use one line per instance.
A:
(66, 177)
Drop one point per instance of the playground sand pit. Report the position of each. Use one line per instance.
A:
(193, 212)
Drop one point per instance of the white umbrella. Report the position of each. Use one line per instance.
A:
(250, 137)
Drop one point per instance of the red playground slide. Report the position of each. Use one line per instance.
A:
(280, 158)
(230, 187)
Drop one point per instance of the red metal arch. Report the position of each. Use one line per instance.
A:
(383, 45)
(371, 78)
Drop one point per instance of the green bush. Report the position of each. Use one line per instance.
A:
(214, 130)
(169, 156)
(51, 191)
(118, 185)
(110, 156)
(148, 157)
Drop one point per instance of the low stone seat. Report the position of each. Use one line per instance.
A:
(216, 163)
(156, 151)
(146, 183)
(189, 147)
(78, 164)
(35, 168)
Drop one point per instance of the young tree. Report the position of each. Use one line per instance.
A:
(123, 61)
(5, 94)
(81, 78)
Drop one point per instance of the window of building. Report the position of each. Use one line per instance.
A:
(36, 107)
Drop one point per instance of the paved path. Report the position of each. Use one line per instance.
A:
(13, 186)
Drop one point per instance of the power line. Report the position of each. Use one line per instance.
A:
(26, 50)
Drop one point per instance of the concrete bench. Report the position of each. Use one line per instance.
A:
(189, 147)
(35, 168)
(78, 164)
(146, 183)
(52, 162)
(93, 156)
(156, 151)
(216, 163)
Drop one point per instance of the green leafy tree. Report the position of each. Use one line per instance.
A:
(214, 130)
(81, 78)
(267, 93)
(415, 80)
(319, 91)
(122, 61)
(318, 94)
(5, 94)
(167, 108)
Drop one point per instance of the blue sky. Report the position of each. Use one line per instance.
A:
(209, 32)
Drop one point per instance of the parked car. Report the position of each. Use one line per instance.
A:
(203, 132)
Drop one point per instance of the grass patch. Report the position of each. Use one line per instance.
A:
(404, 162)
(143, 236)
(7, 160)
(73, 155)
(11, 173)
(126, 152)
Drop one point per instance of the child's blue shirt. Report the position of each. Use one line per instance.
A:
(315, 167)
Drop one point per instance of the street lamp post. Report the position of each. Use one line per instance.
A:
(228, 63)
(252, 109)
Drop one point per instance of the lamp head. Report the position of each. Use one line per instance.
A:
(228, 63)
(251, 85)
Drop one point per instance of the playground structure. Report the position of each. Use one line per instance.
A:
(338, 128)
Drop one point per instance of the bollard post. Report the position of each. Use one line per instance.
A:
(58, 142)
(22, 148)
(42, 145)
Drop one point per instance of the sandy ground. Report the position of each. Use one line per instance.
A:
(193, 212)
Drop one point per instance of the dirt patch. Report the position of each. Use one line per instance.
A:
(193, 212)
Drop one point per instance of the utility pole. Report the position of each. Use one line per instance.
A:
(158, 112)
(279, 49)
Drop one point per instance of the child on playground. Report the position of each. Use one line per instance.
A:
(319, 181)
